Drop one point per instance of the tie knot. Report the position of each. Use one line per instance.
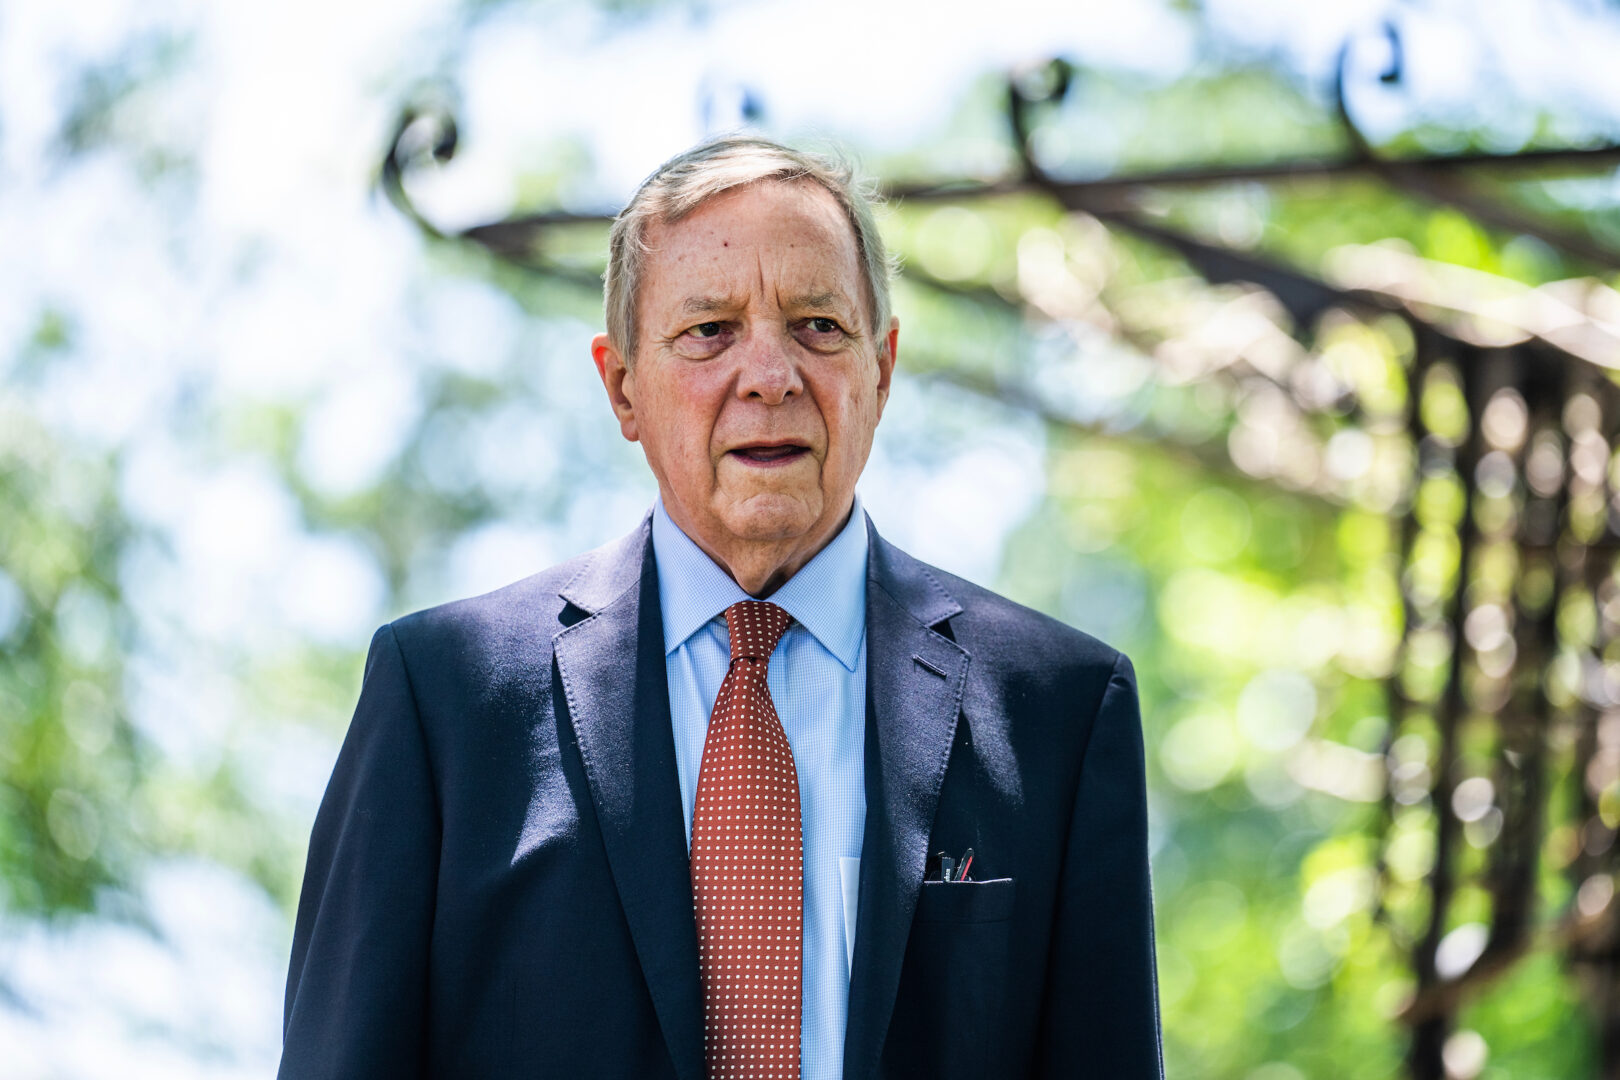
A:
(755, 627)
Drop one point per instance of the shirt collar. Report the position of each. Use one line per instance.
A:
(827, 596)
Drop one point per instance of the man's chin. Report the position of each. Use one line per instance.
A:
(770, 517)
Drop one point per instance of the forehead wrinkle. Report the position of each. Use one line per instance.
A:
(801, 280)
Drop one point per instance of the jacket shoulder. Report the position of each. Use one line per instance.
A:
(529, 597)
(479, 631)
(1003, 630)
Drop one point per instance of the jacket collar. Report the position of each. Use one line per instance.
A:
(611, 569)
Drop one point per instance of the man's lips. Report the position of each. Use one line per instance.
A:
(770, 453)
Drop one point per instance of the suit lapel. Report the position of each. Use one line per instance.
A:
(915, 678)
(612, 669)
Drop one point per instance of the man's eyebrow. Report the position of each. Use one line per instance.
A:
(826, 298)
(709, 305)
(706, 305)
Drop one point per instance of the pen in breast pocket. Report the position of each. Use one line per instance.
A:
(967, 861)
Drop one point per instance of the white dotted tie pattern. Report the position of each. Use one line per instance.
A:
(747, 866)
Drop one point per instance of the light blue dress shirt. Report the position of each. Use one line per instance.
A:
(817, 680)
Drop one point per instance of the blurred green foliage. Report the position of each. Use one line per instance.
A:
(67, 757)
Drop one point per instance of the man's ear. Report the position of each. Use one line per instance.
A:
(620, 383)
(887, 350)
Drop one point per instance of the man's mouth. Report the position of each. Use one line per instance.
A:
(770, 453)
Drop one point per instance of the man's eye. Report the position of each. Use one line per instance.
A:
(824, 326)
(705, 330)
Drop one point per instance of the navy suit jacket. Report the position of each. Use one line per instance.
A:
(498, 883)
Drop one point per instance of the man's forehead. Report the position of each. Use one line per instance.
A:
(762, 214)
(793, 238)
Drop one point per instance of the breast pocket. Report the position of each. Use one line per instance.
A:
(965, 901)
(954, 982)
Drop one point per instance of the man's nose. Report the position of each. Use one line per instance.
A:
(770, 370)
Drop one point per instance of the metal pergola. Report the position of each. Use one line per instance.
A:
(1520, 729)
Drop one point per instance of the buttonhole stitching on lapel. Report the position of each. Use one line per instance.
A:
(931, 667)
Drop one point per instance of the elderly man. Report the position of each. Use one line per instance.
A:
(749, 792)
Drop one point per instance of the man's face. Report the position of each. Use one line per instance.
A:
(757, 381)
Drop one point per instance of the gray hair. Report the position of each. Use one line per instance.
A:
(713, 167)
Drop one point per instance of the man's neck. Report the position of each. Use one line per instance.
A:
(759, 569)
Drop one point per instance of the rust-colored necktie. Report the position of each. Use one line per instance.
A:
(747, 866)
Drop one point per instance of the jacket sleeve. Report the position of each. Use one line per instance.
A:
(357, 983)
(1100, 1013)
